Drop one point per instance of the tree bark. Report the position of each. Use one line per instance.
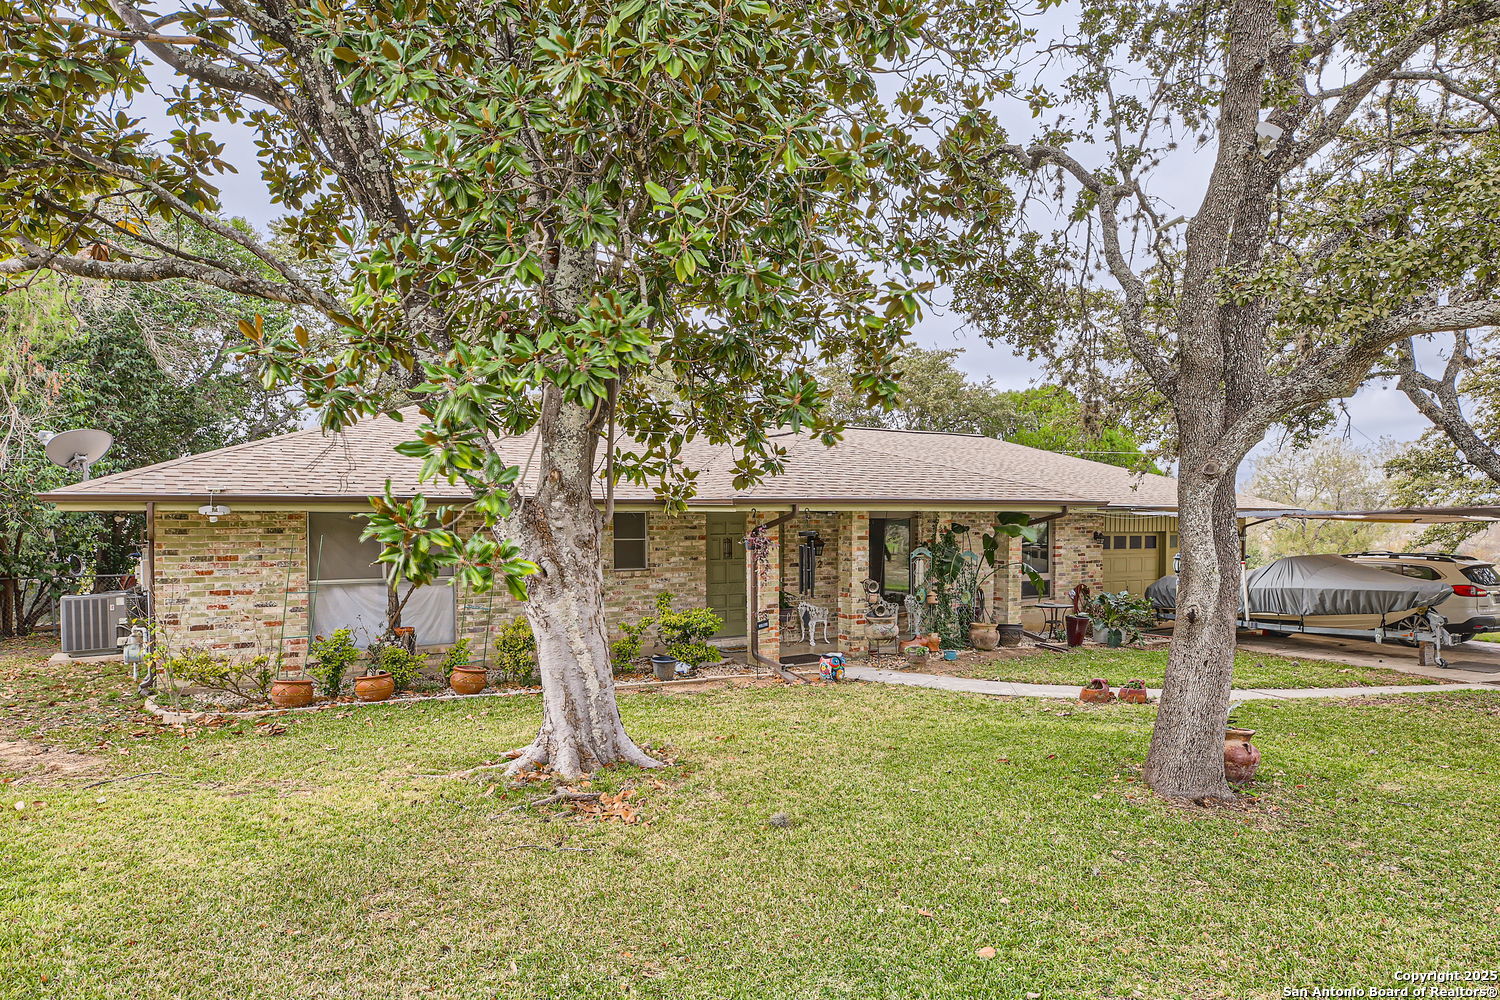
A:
(561, 530)
(1186, 760)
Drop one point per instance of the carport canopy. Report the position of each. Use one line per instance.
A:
(1388, 515)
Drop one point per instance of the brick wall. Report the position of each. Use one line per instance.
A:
(229, 586)
(1077, 557)
(826, 573)
(237, 586)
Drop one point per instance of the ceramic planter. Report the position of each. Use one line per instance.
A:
(1077, 627)
(950, 654)
(1241, 758)
(374, 687)
(291, 692)
(984, 636)
(1136, 696)
(1096, 696)
(468, 680)
(1009, 635)
(916, 654)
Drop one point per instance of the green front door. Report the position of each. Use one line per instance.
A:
(726, 571)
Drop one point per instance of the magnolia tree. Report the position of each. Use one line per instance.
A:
(1345, 202)
(611, 227)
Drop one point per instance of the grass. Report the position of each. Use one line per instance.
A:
(1251, 670)
(320, 863)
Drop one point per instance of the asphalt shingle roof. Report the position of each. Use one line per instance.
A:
(870, 465)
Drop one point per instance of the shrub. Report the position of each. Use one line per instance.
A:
(331, 657)
(682, 633)
(1130, 613)
(403, 667)
(515, 649)
(457, 656)
(626, 649)
(250, 680)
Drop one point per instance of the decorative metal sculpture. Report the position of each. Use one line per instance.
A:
(915, 609)
(811, 616)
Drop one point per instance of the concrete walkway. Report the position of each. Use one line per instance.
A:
(943, 682)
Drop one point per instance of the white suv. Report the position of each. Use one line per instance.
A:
(1472, 608)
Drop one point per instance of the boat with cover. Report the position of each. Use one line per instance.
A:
(1326, 592)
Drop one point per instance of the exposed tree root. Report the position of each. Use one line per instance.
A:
(563, 795)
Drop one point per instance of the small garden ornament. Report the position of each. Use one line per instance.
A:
(831, 667)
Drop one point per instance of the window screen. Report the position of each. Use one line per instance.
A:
(334, 551)
(1038, 556)
(890, 554)
(630, 541)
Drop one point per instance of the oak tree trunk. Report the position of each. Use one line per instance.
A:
(1186, 760)
(560, 529)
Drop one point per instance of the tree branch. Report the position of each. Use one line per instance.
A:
(38, 258)
(1440, 402)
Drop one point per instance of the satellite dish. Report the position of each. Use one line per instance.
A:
(77, 450)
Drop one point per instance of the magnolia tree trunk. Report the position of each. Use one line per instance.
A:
(1187, 746)
(561, 530)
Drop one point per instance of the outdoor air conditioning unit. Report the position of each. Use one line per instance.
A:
(95, 623)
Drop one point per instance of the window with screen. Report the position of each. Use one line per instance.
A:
(630, 541)
(890, 554)
(1037, 556)
(348, 588)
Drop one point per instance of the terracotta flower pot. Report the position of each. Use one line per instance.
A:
(374, 687)
(1096, 695)
(291, 692)
(984, 636)
(1241, 759)
(1136, 696)
(468, 680)
(934, 642)
(1009, 635)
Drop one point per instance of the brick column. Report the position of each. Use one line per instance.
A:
(767, 587)
(854, 567)
(1005, 590)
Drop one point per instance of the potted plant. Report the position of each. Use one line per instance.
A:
(1121, 618)
(374, 684)
(331, 657)
(463, 676)
(1134, 691)
(1096, 691)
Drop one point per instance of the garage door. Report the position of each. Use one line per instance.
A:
(1132, 561)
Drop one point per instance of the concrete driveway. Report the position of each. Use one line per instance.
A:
(1477, 662)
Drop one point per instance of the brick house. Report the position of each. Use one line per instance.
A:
(284, 562)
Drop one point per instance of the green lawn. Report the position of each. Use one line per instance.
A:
(1251, 670)
(320, 863)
